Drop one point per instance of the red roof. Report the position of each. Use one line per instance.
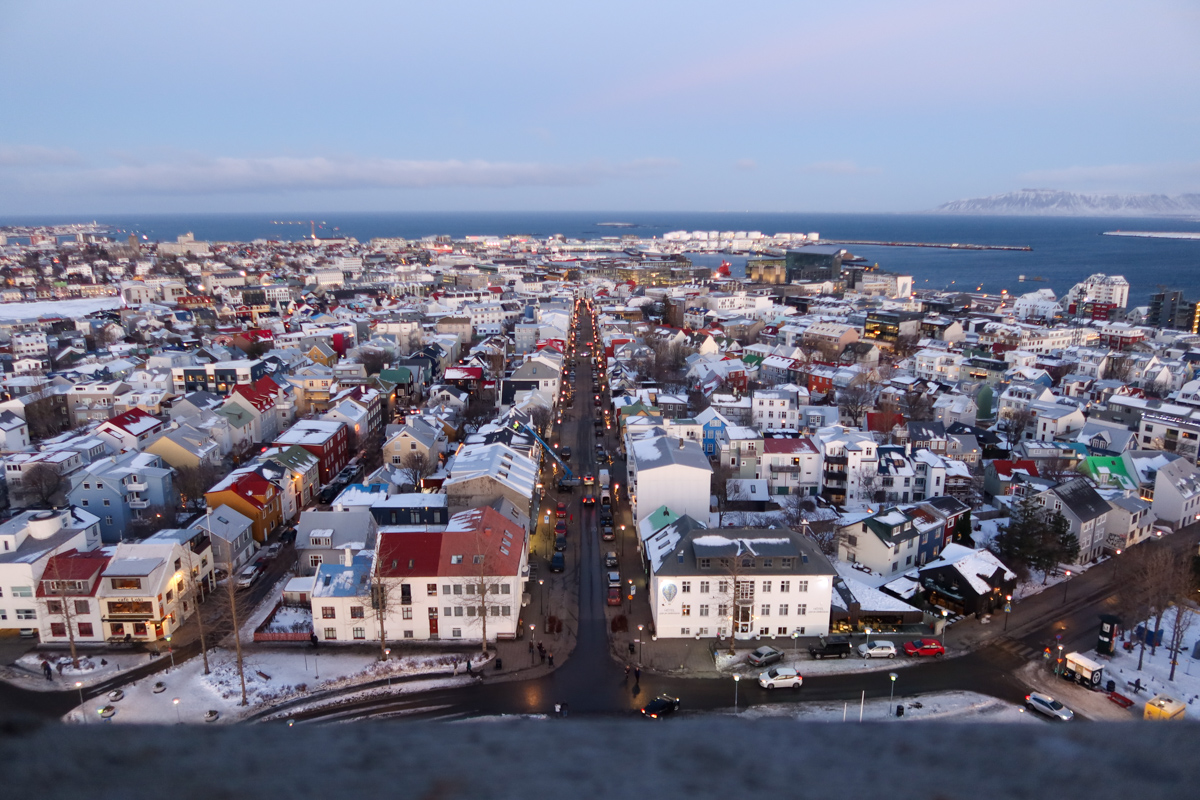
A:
(73, 565)
(405, 554)
(135, 421)
(1004, 468)
(485, 532)
(799, 445)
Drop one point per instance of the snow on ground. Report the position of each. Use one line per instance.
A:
(93, 669)
(806, 665)
(988, 530)
(1156, 668)
(271, 676)
(865, 575)
(947, 706)
(264, 609)
(291, 619)
(74, 309)
(1038, 582)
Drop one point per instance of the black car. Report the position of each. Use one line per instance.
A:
(660, 707)
(606, 531)
(605, 518)
(560, 543)
(558, 562)
(831, 647)
(566, 454)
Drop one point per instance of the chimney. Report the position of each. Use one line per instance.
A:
(347, 557)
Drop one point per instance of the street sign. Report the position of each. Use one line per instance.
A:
(1008, 608)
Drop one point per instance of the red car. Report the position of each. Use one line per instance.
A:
(561, 510)
(614, 596)
(560, 528)
(924, 647)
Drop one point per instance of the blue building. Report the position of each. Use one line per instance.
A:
(121, 489)
(712, 427)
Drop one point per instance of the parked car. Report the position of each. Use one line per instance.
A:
(566, 452)
(764, 655)
(614, 578)
(248, 576)
(560, 543)
(610, 558)
(831, 647)
(660, 707)
(924, 647)
(606, 532)
(878, 649)
(560, 528)
(780, 678)
(1045, 704)
(272, 550)
(614, 595)
(560, 510)
(558, 562)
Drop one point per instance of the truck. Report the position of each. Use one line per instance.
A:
(605, 478)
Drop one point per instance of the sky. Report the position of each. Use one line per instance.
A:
(482, 106)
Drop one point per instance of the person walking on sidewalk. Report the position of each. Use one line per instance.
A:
(627, 673)
(46, 670)
(551, 659)
(637, 675)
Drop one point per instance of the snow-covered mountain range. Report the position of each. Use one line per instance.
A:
(1052, 202)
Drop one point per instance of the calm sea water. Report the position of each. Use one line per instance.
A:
(1064, 250)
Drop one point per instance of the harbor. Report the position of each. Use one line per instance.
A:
(942, 245)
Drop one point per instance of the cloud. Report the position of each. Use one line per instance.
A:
(1160, 177)
(204, 175)
(745, 164)
(839, 168)
(33, 155)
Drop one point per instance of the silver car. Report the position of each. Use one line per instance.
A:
(779, 678)
(1045, 704)
(878, 649)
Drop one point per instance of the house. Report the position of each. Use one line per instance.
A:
(129, 431)
(422, 509)
(66, 597)
(850, 465)
(415, 436)
(147, 589)
(323, 537)
(478, 474)
(27, 542)
(183, 445)
(232, 537)
(665, 471)
(967, 581)
(326, 439)
(1129, 522)
(14, 432)
(1176, 490)
(1085, 510)
(253, 496)
(998, 475)
(791, 466)
(303, 481)
(888, 542)
(755, 583)
(464, 584)
(123, 489)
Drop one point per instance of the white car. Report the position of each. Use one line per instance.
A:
(1045, 704)
(248, 576)
(877, 650)
(780, 678)
(614, 579)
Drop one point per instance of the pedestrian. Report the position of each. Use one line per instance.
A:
(637, 675)
(531, 649)
(46, 669)
(552, 659)
(60, 666)
(572, 518)
(469, 667)
(542, 653)
(627, 673)
(456, 666)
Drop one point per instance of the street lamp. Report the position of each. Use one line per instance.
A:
(178, 717)
(892, 677)
(1066, 585)
(630, 599)
(736, 680)
(795, 646)
(82, 710)
(945, 615)
(1007, 609)
(171, 651)
(640, 638)
(532, 642)
(542, 596)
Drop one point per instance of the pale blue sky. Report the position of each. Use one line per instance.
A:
(764, 106)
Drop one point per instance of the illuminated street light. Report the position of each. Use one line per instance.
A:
(178, 717)
(736, 680)
(83, 711)
(892, 677)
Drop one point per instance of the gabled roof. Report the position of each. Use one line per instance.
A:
(1083, 501)
(135, 422)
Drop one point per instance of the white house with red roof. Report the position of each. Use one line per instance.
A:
(453, 584)
(66, 597)
(130, 430)
(791, 466)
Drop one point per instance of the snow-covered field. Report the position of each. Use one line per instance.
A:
(290, 619)
(948, 706)
(271, 676)
(92, 669)
(1156, 668)
(58, 308)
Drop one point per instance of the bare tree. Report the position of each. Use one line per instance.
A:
(232, 609)
(1155, 576)
(917, 406)
(870, 486)
(194, 482)
(373, 360)
(195, 596)
(1119, 368)
(42, 421)
(153, 519)
(43, 483)
(484, 585)
(1014, 421)
(857, 399)
(63, 603)
(736, 595)
(1185, 614)
(415, 466)
(722, 474)
(824, 534)
(377, 593)
(540, 418)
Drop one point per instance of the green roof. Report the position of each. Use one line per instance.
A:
(396, 375)
(660, 518)
(1107, 471)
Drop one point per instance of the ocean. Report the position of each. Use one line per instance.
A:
(1065, 250)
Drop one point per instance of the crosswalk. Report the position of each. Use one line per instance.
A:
(1017, 648)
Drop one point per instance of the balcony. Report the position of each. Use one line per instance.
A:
(785, 468)
(835, 475)
(136, 487)
(837, 460)
(138, 503)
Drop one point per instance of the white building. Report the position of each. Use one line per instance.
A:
(27, 541)
(665, 471)
(1101, 288)
(757, 583)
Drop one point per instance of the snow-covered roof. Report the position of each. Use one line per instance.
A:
(974, 565)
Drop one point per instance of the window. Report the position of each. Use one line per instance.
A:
(455, 559)
(801, 586)
(801, 609)
(445, 588)
(686, 610)
(685, 631)
(786, 563)
(704, 611)
(85, 629)
(764, 631)
(58, 629)
(704, 587)
(116, 583)
(26, 613)
(477, 559)
(783, 609)
(722, 587)
(356, 612)
(54, 607)
(314, 561)
(360, 633)
(170, 595)
(178, 564)
(766, 586)
(331, 633)
(431, 589)
(107, 502)
(108, 520)
(785, 586)
(685, 586)
(722, 610)
(458, 611)
(506, 611)
(764, 610)
(328, 612)
(704, 563)
(408, 634)
(406, 612)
